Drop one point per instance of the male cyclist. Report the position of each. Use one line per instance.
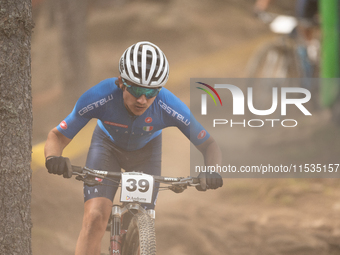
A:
(305, 11)
(131, 109)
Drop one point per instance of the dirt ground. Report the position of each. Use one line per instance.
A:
(207, 38)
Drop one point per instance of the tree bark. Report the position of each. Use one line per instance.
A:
(15, 126)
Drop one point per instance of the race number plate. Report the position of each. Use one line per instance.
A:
(137, 187)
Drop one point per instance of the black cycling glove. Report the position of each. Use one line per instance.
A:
(59, 165)
(209, 181)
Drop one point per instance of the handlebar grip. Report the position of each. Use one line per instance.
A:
(195, 180)
(77, 169)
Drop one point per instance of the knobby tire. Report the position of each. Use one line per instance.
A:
(140, 236)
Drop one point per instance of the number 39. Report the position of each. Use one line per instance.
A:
(143, 185)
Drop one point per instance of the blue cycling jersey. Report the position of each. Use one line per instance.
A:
(105, 103)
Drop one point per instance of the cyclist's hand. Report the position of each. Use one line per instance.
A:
(59, 165)
(209, 181)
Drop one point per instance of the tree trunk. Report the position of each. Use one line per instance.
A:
(15, 126)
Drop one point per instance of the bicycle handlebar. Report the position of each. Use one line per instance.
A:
(189, 181)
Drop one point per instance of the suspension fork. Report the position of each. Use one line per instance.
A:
(116, 239)
(116, 232)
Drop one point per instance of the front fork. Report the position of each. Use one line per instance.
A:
(116, 232)
(116, 238)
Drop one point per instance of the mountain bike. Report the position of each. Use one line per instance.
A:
(132, 230)
(287, 56)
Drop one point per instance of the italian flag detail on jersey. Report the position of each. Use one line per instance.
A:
(147, 128)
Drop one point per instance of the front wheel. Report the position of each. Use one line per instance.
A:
(140, 237)
(274, 60)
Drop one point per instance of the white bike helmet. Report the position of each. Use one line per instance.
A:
(144, 64)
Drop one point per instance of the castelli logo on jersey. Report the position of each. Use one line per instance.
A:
(202, 134)
(63, 125)
(148, 120)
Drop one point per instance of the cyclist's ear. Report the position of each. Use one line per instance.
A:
(119, 83)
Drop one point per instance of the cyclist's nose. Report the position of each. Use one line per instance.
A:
(142, 99)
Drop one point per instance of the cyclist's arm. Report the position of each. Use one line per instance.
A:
(211, 152)
(86, 108)
(55, 143)
(190, 127)
(212, 157)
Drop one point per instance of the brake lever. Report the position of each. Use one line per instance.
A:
(178, 189)
(88, 180)
(93, 174)
(187, 181)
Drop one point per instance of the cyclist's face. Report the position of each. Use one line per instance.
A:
(136, 106)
